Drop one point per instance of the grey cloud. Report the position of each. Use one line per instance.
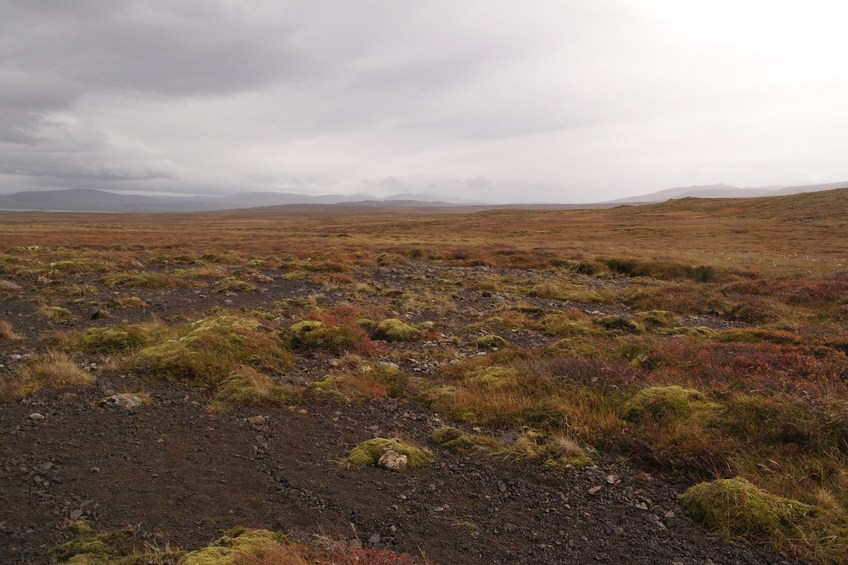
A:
(558, 100)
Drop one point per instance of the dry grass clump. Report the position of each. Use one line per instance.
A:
(7, 331)
(53, 369)
(246, 386)
(55, 314)
(9, 286)
(551, 450)
(360, 381)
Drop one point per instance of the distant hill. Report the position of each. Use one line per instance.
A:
(88, 200)
(725, 191)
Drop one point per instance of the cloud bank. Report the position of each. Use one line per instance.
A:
(568, 101)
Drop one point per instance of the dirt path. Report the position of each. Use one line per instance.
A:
(176, 469)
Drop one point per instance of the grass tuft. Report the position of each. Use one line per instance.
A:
(53, 369)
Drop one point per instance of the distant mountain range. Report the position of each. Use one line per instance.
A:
(725, 191)
(89, 200)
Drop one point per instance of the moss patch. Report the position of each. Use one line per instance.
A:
(616, 323)
(236, 544)
(454, 439)
(209, 350)
(312, 335)
(490, 342)
(662, 402)
(232, 284)
(368, 453)
(393, 329)
(736, 507)
(118, 547)
(117, 339)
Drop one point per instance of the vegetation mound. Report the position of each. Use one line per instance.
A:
(393, 329)
(368, 453)
(736, 507)
(662, 402)
(209, 350)
(247, 386)
(118, 338)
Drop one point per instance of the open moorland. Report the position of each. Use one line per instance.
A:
(357, 384)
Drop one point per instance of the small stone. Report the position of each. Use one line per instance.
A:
(124, 401)
(94, 470)
(595, 490)
(374, 538)
(257, 420)
(44, 467)
(75, 514)
(501, 486)
(355, 543)
(613, 479)
(619, 530)
(669, 514)
(36, 417)
(641, 506)
(393, 461)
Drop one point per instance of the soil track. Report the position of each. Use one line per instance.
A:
(175, 469)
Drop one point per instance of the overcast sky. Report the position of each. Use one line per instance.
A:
(560, 100)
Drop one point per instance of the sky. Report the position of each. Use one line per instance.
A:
(483, 100)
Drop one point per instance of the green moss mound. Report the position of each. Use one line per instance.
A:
(572, 347)
(736, 507)
(117, 339)
(232, 284)
(368, 453)
(56, 314)
(209, 350)
(662, 402)
(312, 335)
(234, 545)
(616, 323)
(694, 332)
(454, 439)
(491, 342)
(393, 329)
(88, 547)
(247, 386)
(657, 318)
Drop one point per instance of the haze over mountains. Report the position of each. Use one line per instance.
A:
(89, 200)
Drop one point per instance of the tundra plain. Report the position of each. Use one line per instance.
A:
(642, 384)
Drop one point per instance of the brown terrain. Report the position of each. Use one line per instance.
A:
(594, 365)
